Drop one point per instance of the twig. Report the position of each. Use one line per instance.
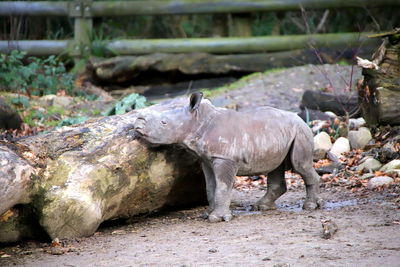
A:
(297, 23)
(322, 21)
(373, 19)
(303, 14)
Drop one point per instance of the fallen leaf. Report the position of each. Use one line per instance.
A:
(55, 242)
(6, 215)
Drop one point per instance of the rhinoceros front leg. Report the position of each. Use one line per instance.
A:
(224, 171)
(276, 187)
(210, 188)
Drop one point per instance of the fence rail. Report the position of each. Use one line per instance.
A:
(207, 45)
(84, 10)
(175, 7)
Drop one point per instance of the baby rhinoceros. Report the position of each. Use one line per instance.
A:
(229, 143)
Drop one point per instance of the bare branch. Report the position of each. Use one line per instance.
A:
(322, 21)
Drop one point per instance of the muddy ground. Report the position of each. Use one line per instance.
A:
(368, 221)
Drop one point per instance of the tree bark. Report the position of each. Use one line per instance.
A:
(76, 177)
(380, 91)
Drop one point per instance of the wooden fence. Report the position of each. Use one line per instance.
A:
(84, 10)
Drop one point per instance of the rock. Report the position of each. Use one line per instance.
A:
(334, 167)
(390, 151)
(76, 177)
(369, 164)
(50, 100)
(331, 114)
(322, 144)
(341, 145)
(318, 125)
(379, 181)
(356, 123)
(56, 251)
(359, 138)
(392, 166)
(329, 228)
(367, 176)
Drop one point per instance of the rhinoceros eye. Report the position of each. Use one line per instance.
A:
(163, 122)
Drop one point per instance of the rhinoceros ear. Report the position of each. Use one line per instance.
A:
(195, 100)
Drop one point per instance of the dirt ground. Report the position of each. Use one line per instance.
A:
(368, 221)
(368, 235)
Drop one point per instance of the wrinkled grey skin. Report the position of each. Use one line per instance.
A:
(263, 141)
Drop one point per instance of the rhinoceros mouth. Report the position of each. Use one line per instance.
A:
(139, 133)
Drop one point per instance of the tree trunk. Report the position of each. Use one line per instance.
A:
(74, 178)
(380, 91)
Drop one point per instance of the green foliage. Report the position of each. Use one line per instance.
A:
(33, 116)
(20, 101)
(96, 112)
(99, 40)
(36, 77)
(128, 103)
(264, 23)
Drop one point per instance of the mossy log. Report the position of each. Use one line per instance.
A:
(380, 90)
(70, 180)
(126, 68)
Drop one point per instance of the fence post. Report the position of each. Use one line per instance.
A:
(81, 11)
(240, 25)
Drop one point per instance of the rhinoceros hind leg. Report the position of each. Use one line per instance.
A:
(302, 163)
(276, 187)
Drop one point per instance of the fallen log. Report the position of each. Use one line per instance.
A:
(340, 104)
(380, 90)
(127, 68)
(76, 177)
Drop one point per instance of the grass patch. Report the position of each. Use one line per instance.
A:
(209, 93)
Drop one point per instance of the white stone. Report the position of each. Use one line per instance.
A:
(359, 138)
(369, 164)
(331, 114)
(322, 144)
(379, 181)
(356, 123)
(367, 176)
(392, 166)
(341, 145)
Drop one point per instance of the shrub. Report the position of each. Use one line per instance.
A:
(36, 77)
